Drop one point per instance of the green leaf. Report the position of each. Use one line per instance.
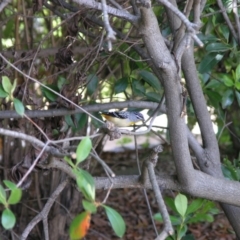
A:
(181, 231)
(227, 79)
(83, 149)
(61, 81)
(224, 30)
(116, 221)
(237, 73)
(153, 96)
(89, 206)
(214, 97)
(237, 85)
(7, 85)
(181, 204)
(51, 96)
(8, 30)
(3, 94)
(151, 79)
(188, 237)
(138, 87)
(18, 105)
(81, 120)
(174, 220)
(209, 62)
(69, 121)
(121, 85)
(8, 219)
(69, 161)
(14, 85)
(194, 205)
(237, 94)
(96, 123)
(92, 81)
(227, 98)
(10, 184)
(85, 183)
(16, 193)
(201, 217)
(3, 196)
(218, 47)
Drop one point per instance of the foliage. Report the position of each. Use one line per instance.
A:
(196, 211)
(8, 197)
(58, 58)
(85, 183)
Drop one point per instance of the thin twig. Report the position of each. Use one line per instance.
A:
(44, 213)
(151, 163)
(236, 16)
(225, 16)
(41, 84)
(191, 27)
(106, 168)
(110, 32)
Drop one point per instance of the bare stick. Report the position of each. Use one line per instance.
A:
(43, 215)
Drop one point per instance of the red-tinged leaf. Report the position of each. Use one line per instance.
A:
(80, 226)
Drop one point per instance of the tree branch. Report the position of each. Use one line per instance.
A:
(89, 108)
(163, 61)
(113, 11)
(225, 16)
(44, 213)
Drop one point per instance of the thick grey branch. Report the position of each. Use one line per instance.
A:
(163, 60)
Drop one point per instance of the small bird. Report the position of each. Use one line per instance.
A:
(123, 118)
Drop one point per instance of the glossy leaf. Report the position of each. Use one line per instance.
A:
(181, 231)
(69, 161)
(116, 221)
(181, 203)
(83, 149)
(7, 85)
(237, 85)
(201, 217)
(3, 94)
(209, 62)
(237, 73)
(174, 220)
(79, 226)
(153, 96)
(15, 194)
(237, 94)
(8, 219)
(214, 97)
(69, 121)
(92, 83)
(151, 79)
(227, 98)
(138, 87)
(3, 196)
(227, 79)
(81, 120)
(121, 85)
(195, 205)
(89, 206)
(86, 184)
(51, 96)
(18, 105)
(217, 47)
